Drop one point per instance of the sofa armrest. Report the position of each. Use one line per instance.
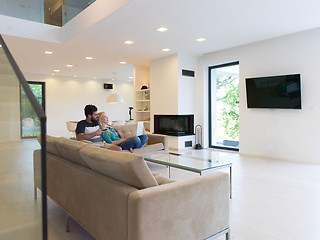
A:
(191, 209)
(157, 138)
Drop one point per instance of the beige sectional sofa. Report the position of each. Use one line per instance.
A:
(156, 142)
(115, 196)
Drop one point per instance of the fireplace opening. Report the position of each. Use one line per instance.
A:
(174, 125)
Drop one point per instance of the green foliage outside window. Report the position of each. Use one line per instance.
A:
(228, 97)
(27, 110)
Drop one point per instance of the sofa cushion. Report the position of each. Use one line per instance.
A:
(161, 179)
(51, 146)
(125, 167)
(69, 149)
(127, 130)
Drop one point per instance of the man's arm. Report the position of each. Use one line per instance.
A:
(82, 136)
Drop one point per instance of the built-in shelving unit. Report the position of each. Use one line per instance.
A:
(142, 112)
(142, 108)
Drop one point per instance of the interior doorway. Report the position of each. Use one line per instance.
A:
(224, 106)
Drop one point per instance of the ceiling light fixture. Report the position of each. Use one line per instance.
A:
(75, 76)
(200, 39)
(128, 42)
(131, 77)
(162, 29)
(89, 58)
(69, 65)
(48, 52)
(115, 99)
(165, 49)
(56, 70)
(123, 62)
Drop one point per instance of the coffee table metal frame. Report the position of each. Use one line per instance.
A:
(200, 171)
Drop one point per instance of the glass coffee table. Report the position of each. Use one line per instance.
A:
(198, 161)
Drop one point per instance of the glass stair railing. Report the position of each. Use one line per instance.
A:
(53, 12)
(22, 215)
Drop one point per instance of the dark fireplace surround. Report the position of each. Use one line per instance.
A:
(174, 125)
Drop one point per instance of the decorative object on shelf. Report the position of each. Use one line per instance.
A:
(144, 87)
(147, 95)
(130, 113)
(198, 137)
(146, 108)
(115, 99)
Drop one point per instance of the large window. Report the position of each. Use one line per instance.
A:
(224, 106)
(30, 123)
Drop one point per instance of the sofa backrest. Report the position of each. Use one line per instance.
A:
(70, 150)
(127, 130)
(51, 144)
(125, 167)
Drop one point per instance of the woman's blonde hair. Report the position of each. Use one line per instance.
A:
(102, 127)
(100, 114)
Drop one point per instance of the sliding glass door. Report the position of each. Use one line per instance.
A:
(224, 106)
(30, 123)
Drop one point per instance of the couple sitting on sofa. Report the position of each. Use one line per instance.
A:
(95, 128)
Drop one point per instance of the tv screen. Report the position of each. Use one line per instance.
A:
(274, 92)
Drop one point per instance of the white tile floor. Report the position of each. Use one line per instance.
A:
(271, 199)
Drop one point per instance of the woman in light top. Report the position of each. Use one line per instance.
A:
(111, 136)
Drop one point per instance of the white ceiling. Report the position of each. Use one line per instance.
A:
(224, 24)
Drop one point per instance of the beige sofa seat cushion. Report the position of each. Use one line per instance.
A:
(127, 130)
(124, 167)
(69, 149)
(161, 179)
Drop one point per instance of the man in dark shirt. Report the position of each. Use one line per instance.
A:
(89, 129)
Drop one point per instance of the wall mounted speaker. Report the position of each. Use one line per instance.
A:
(188, 73)
(108, 86)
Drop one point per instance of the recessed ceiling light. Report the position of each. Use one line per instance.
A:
(166, 49)
(75, 76)
(123, 62)
(89, 58)
(200, 39)
(131, 77)
(128, 42)
(162, 29)
(48, 52)
(56, 70)
(52, 74)
(69, 65)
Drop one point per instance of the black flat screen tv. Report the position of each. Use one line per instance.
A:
(274, 92)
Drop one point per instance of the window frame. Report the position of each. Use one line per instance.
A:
(209, 103)
(43, 104)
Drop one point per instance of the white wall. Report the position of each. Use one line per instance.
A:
(186, 85)
(164, 85)
(66, 98)
(283, 134)
(9, 102)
